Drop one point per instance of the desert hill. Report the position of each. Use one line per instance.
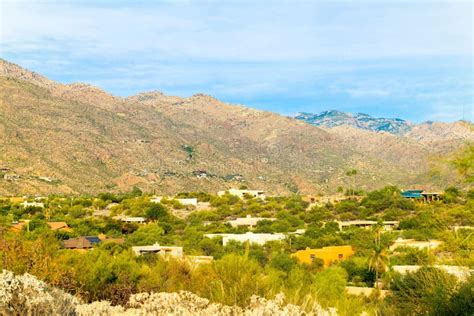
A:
(76, 138)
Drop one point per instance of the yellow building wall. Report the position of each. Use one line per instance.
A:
(328, 254)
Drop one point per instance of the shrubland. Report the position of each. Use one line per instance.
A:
(241, 272)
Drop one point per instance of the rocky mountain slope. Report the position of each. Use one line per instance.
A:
(424, 132)
(335, 118)
(76, 138)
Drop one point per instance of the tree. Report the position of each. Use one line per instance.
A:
(352, 173)
(378, 259)
(427, 291)
(156, 211)
(330, 285)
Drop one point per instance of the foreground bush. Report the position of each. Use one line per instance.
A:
(25, 295)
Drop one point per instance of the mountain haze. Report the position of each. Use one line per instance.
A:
(76, 138)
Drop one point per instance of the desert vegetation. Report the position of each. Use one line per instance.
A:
(243, 277)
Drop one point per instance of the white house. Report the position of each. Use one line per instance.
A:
(411, 243)
(259, 239)
(138, 220)
(242, 193)
(156, 199)
(166, 251)
(26, 204)
(248, 221)
(460, 272)
(387, 225)
(191, 201)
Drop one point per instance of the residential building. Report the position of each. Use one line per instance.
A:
(26, 204)
(364, 291)
(456, 228)
(248, 221)
(200, 173)
(460, 272)
(250, 237)
(137, 220)
(119, 240)
(411, 243)
(242, 193)
(198, 260)
(421, 195)
(82, 242)
(165, 251)
(18, 226)
(156, 199)
(387, 225)
(59, 226)
(328, 254)
(190, 201)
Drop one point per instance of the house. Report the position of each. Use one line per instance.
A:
(137, 220)
(248, 221)
(243, 193)
(198, 260)
(26, 204)
(364, 291)
(421, 195)
(190, 201)
(387, 225)
(10, 176)
(82, 242)
(19, 226)
(460, 272)
(59, 226)
(328, 254)
(200, 173)
(411, 243)
(456, 228)
(119, 241)
(156, 199)
(326, 199)
(250, 237)
(165, 251)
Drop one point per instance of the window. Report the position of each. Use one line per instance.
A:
(340, 256)
(312, 257)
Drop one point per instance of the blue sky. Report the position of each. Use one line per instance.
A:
(407, 59)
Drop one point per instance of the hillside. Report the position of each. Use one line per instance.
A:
(76, 138)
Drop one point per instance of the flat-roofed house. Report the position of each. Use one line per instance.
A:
(242, 193)
(165, 251)
(137, 220)
(250, 237)
(421, 195)
(364, 291)
(328, 254)
(199, 260)
(411, 243)
(156, 199)
(460, 272)
(26, 204)
(190, 201)
(248, 221)
(387, 225)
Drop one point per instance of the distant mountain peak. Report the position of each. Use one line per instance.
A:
(333, 118)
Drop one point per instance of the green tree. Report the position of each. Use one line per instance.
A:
(378, 259)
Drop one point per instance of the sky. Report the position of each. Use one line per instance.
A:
(408, 59)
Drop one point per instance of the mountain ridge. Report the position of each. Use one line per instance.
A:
(87, 140)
